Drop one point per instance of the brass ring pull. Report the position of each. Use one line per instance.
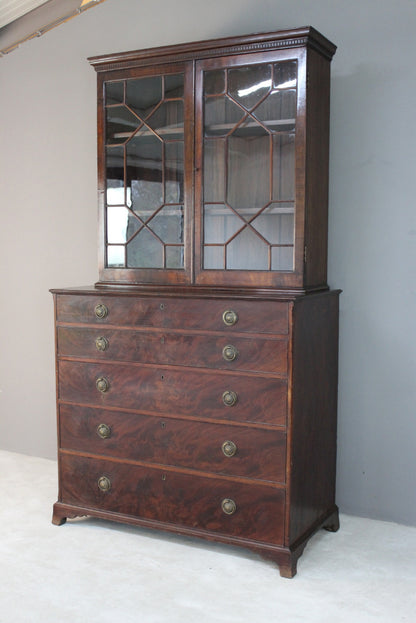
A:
(101, 343)
(230, 317)
(229, 398)
(101, 311)
(103, 431)
(228, 506)
(229, 448)
(104, 484)
(229, 353)
(102, 384)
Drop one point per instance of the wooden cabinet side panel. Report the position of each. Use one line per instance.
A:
(317, 166)
(313, 420)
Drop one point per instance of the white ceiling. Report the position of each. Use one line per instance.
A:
(13, 9)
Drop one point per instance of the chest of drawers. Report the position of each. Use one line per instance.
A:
(212, 417)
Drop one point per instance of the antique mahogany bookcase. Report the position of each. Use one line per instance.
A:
(197, 380)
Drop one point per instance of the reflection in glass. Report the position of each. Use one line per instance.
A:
(214, 170)
(174, 191)
(249, 166)
(248, 85)
(247, 252)
(285, 74)
(278, 111)
(143, 94)
(282, 258)
(220, 223)
(284, 167)
(214, 258)
(221, 115)
(144, 251)
(249, 159)
(167, 120)
(174, 257)
(116, 256)
(121, 123)
(144, 157)
(168, 224)
(145, 172)
(276, 224)
(114, 93)
(174, 86)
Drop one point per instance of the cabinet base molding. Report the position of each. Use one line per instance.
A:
(286, 558)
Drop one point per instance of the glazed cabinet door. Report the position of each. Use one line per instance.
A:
(250, 117)
(145, 154)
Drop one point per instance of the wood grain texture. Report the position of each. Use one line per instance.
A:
(185, 313)
(313, 421)
(173, 391)
(176, 498)
(260, 454)
(198, 351)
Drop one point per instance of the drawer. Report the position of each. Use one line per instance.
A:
(207, 351)
(199, 393)
(175, 313)
(170, 497)
(217, 448)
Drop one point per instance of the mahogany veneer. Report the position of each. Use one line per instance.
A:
(197, 380)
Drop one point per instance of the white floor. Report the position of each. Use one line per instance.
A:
(98, 572)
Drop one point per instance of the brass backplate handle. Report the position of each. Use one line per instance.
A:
(101, 311)
(230, 317)
(228, 506)
(103, 431)
(104, 484)
(229, 448)
(229, 352)
(102, 384)
(101, 343)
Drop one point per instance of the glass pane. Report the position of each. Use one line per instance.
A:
(167, 120)
(214, 170)
(121, 123)
(284, 166)
(221, 115)
(220, 223)
(282, 258)
(144, 251)
(144, 173)
(168, 224)
(174, 86)
(174, 257)
(117, 220)
(247, 252)
(115, 175)
(114, 93)
(115, 256)
(214, 82)
(285, 75)
(214, 258)
(115, 192)
(278, 110)
(143, 94)
(248, 85)
(248, 187)
(174, 172)
(276, 224)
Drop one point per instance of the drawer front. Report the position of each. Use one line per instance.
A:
(171, 313)
(262, 355)
(171, 497)
(199, 394)
(217, 448)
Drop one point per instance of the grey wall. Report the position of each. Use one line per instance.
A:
(48, 214)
